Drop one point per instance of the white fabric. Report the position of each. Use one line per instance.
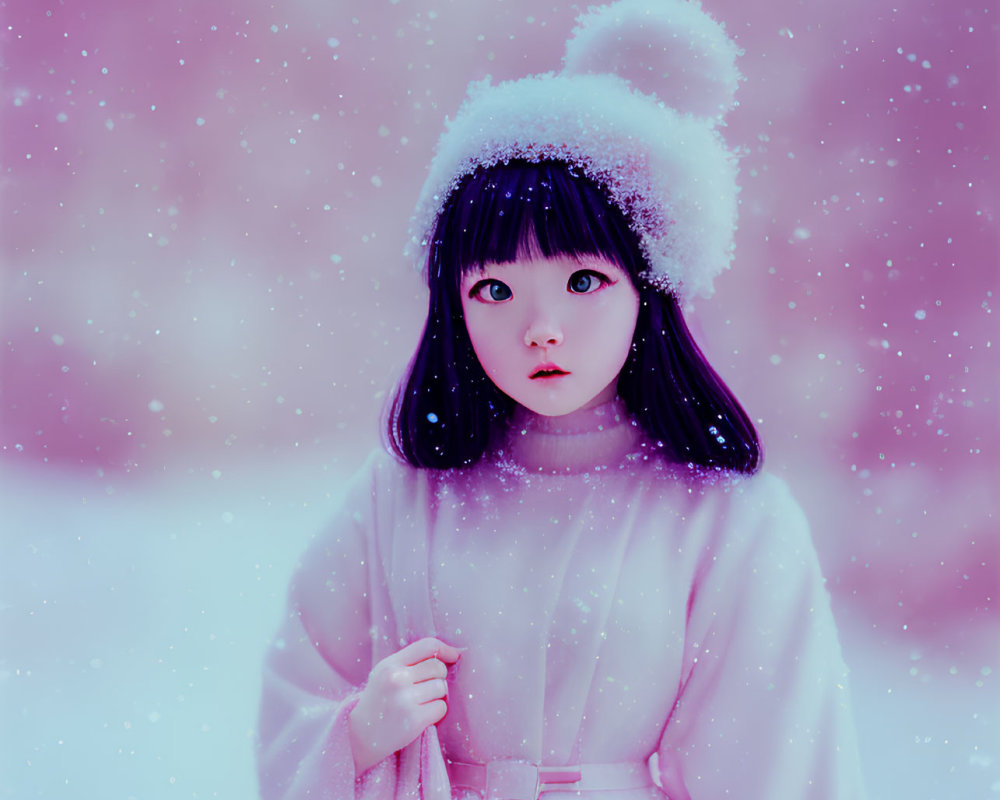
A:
(657, 153)
(670, 49)
(669, 172)
(612, 607)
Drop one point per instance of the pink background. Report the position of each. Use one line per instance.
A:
(204, 302)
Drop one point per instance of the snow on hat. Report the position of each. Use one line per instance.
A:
(644, 85)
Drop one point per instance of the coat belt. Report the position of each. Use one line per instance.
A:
(506, 779)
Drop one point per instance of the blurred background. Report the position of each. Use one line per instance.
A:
(203, 302)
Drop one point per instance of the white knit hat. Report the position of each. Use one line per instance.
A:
(644, 85)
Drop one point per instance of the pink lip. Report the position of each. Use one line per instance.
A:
(547, 370)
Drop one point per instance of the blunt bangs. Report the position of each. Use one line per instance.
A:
(524, 210)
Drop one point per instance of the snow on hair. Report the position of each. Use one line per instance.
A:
(445, 410)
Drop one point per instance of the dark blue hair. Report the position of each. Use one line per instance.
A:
(447, 413)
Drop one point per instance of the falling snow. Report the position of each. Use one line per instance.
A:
(176, 421)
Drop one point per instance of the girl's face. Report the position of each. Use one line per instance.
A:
(552, 333)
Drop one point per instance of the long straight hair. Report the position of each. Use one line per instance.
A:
(446, 412)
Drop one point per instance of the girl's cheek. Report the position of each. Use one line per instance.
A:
(497, 325)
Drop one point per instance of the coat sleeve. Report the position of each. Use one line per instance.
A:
(763, 709)
(315, 666)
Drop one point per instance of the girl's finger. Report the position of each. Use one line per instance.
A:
(429, 647)
(428, 691)
(428, 669)
(431, 713)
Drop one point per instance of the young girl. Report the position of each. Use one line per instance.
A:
(569, 577)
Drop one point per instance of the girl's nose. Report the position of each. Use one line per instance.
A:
(543, 333)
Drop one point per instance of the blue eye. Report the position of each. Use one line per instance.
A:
(498, 291)
(585, 281)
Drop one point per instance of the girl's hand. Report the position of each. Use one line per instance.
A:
(405, 693)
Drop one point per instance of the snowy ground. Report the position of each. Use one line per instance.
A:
(134, 616)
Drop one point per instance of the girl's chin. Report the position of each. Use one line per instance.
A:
(554, 414)
(560, 408)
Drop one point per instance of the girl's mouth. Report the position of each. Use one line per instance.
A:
(547, 371)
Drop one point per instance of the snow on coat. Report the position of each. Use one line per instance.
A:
(613, 607)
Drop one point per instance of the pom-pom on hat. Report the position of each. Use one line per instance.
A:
(645, 84)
